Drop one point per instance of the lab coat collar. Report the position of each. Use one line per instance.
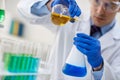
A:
(109, 38)
(106, 40)
(116, 30)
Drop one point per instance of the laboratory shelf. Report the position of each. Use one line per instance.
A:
(41, 71)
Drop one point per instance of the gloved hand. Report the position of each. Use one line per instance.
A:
(90, 47)
(74, 9)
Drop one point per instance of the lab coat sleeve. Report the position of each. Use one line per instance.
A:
(39, 9)
(112, 72)
(24, 8)
(97, 74)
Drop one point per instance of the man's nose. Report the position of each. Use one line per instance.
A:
(101, 8)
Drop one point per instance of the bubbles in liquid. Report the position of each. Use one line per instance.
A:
(72, 70)
(59, 20)
(2, 15)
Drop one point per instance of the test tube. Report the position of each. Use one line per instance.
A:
(2, 10)
(36, 59)
(29, 58)
(6, 46)
(47, 53)
(22, 50)
(15, 58)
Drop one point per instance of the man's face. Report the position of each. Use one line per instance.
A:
(100, 15)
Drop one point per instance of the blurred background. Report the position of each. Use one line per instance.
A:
(31, 32)
(30, 36)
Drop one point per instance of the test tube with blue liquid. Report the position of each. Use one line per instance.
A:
(75, 64)
(37, 58)
(2, 10)
(34, 61)
(32, 52)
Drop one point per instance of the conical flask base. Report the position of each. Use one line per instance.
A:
(75, 71)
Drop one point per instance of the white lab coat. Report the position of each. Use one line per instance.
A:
(110, 46)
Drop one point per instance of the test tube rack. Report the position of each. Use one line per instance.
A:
(23, 60)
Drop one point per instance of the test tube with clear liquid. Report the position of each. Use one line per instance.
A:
(2, 10)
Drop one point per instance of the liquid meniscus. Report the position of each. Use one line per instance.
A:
(58, 19)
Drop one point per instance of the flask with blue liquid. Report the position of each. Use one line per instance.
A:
(75, 64)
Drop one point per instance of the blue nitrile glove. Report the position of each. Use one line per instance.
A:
(90, 47)
(74, 9)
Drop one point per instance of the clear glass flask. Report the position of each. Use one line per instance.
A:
(60, 14)
(75, 64)
(2, 10)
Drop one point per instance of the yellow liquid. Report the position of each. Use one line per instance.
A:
(59, 20)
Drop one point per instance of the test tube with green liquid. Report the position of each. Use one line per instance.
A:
(23, 57)
(14, 58)
(7, 56)
(29, 57)
(2, 15)
(2, 10)
(19, 57)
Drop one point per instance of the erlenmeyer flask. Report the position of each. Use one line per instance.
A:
(75, 64)
(60, 13)
(2, 10)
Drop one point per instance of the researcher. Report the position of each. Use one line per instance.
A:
(98, 38)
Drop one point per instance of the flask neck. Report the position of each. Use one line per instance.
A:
(64, 2)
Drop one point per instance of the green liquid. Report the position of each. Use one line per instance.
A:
(2, 15)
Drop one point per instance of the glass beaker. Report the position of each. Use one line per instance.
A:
(75, 64)
(60, 14)
(2, 10)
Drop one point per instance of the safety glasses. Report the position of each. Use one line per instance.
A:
(111, 6)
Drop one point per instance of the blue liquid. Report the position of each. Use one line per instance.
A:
(72, 70)
(36, 64)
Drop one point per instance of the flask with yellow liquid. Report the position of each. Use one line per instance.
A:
(2, 10)
(60, 14)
